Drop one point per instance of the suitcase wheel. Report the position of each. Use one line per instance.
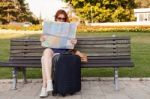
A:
(63, 94)
(71, 93)
(54, 93)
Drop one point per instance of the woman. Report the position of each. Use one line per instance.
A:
(48, 53)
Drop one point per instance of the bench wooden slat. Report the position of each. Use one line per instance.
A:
(25, 47)
(17, 43)
(96, 50)
(89, 58)
(79, 38)
(89, 62)
(103, 42)
(101, 46)
(99, 54)
(89, 65)
(103, 38)
(27, 55)
(80, 42)
(26, 51)
(82, 50)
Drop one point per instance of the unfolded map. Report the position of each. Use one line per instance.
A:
(59, 34)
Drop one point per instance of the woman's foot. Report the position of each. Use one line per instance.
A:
(43, 93)
(49, 86)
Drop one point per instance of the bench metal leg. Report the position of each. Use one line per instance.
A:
(14, 74)
(116, 78)
(24, 75)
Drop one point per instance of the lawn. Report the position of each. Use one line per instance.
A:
(140, 55)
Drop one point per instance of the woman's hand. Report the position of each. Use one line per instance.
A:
(43, 37)
(74, 41)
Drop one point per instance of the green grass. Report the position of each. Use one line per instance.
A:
(140, 55)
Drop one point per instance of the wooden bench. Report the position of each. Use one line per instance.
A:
(109, 52)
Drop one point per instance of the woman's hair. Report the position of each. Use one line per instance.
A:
(62, 12)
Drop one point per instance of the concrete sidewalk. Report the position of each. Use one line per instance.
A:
(129, 89)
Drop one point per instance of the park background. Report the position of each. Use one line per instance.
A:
(15, 13)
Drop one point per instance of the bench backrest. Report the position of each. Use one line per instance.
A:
(101, 51)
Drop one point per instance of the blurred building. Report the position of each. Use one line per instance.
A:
(142, 14)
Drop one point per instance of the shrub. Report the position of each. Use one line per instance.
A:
(83, 28)
(15, 27)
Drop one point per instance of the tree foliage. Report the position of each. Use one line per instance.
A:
(104, 10)
(15, 10)
(7, 11)
(143, 3)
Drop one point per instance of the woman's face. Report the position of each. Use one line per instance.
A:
(61, 18)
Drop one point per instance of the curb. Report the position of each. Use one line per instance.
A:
(111, 78)
(5, 31)
(83, 79)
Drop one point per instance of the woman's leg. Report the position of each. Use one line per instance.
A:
(46, 61)
(43, 73)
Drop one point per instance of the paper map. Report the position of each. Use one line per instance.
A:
(59, 34)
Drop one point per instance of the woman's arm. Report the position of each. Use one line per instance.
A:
(43, 37)
(74, 41)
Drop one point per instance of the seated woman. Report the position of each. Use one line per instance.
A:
(48, 53)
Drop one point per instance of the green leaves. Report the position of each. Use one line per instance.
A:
(143, 3)
(104, 10)
(15, 11)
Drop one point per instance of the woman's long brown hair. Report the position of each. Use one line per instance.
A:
(62, 12)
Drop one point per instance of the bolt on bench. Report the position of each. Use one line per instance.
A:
(106, 52)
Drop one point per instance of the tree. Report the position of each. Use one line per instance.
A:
(15, 10)
(104, 10)
(7, 11)
(143, 3)
(25, 14)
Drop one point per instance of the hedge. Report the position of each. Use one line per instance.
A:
(83, 28)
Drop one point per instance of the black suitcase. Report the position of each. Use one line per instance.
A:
(66, 74)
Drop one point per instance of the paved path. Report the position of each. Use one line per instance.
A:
(90, 90)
